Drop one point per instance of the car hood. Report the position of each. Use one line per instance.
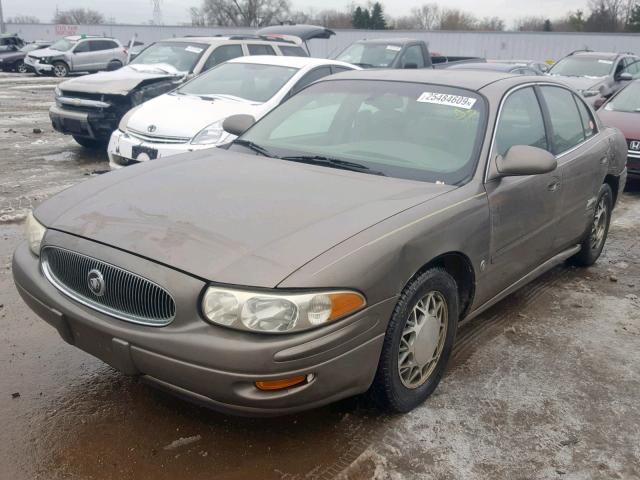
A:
(582, 83)
(11, 55)
(123, 80)
(627, 122)
(189, 114)
(230, 217)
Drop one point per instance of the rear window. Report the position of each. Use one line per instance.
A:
(261, 50)
(293, 51)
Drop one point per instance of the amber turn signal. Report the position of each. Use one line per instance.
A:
(282, 383)
(342, 304)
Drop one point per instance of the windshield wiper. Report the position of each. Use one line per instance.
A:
(333, 162)
(254, 147)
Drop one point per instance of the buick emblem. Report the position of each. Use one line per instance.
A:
(95, 280)
(151, 128)
(634, 145)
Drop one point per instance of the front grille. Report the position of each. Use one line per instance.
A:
(125, 295)
(145, 137)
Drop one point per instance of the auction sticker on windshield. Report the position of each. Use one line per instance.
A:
(449, 100)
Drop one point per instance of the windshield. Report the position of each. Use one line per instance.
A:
(628, 100)
(370, 55)
(181, 55)
(63, 45)
(250, 81)
(582, 67)
(405, 130)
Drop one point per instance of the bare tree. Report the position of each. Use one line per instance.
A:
(455, 19)
(491, 24)
(427, 16)
(23, 19)
(78, 16)
(530, 24)
(245, 13)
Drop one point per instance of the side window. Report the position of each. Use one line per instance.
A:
(222, 54)
(588, 122)
(412, 56)
(520, 122)
(261, 49)
(101, 45)
(566, 122)
(293, 51)
(81, 48)
(620, 67)
(310, 77)
(338, 69)
(633, 68)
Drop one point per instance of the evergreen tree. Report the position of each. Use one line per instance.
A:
(357, 18)
(377, 21)
(633, 24)
(547, 25)
(366, 18)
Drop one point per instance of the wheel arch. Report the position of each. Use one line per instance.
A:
(460, 267)
(614, 182)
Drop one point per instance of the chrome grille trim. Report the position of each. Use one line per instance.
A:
(127, 296)
(145, 137)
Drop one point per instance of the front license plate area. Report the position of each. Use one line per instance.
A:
(141, 150)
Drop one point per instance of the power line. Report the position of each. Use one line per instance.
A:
(1, 19)
(157, 12)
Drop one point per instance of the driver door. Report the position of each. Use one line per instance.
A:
(523, 209)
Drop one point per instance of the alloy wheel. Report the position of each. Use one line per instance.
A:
(599, 226)
(60, 71)
(423, 339)
(22, 68)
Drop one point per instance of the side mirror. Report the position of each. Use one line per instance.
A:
(238, 124)
(599, 102)
(525, 160)
(625, 77)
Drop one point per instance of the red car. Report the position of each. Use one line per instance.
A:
(623, 111)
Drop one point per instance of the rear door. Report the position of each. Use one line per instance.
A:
(222, 54)
(102, 53)
(523, 209)
(582, 160)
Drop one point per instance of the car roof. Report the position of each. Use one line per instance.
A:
(603, 55)
(286, 61)
(468, 79)
(226, 38)
(388, 41)
(495, 67)
(75, 38)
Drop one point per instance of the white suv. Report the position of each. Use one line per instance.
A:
(78, 53)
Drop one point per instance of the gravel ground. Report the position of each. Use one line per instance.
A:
(544, 385)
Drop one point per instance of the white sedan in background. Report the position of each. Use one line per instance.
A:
(190, 117)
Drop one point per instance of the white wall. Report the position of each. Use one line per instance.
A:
(504, 45)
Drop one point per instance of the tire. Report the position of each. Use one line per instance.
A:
(393, 388)
(114, 65)
(60, 69)
(21, 68)
(94, 144)
(596, 237)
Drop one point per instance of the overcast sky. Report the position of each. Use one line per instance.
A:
(176, 11)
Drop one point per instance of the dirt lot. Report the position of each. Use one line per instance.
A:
(545, 385)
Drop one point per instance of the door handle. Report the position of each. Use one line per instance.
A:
(553, 186)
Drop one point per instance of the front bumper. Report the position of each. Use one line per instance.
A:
(96, 125)
(205, 363)
(633, 164)
(37, 67)
(125, 150)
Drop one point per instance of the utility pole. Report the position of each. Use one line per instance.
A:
(1, 19)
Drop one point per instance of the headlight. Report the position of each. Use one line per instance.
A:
(44, 60)
(274, 312)
(590, 93)
(57, 91)
(209, 135)
(35, 232)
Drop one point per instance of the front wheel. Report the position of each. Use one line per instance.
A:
(418, 342)
(94, 144)
(595, 239)
(60, 69)
(21, 68)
